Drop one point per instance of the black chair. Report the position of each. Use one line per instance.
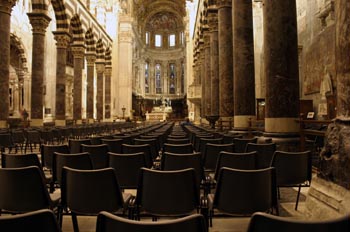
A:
(204, 141)
(114, 145)
(47, 154)
(262, 222)
(18, 139)
(241, 143)
(244, 192)
(98, 154)
(167, 193)
(80, 161)
(178, 148)
(153, 144)
(75, 145)
(211, 154)
(107, 222)
(6, 142)
(88, 192)
(177, 141)
(42, 220)
(264, 151)
(33, 138)
(14, 194)
(127, 168)
(145, 148)
(293, 169)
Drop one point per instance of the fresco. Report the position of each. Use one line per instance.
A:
(162, 21)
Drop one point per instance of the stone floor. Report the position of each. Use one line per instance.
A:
(220, 223)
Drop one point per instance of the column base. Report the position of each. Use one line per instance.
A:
(79, 121)
(60, 122)
(36, 122)
(282, 125)
(3, 124)
(326, 199)
(91, 120)
(243, 122)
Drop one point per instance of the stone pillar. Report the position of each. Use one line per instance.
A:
(201, 64)
(78, 53)
(62, 41)
(207, 71)
(90, 58)
(214, 62)
(281, 66)
(39, 22)
(100, 69)
(20, 75)
(243, 63)
(108, 82)
(5, 16)
(225, 58)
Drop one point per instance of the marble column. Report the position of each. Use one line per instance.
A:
(214, 62)
(281, 66)
(225, 58)
(90, 58)
(100, 69)
(207, 76)
(243, 63)
(201, 64)
(62, 40)
(5, 22)
(78, 53)
(108, 76)
(39, 22)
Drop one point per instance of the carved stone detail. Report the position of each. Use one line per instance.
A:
(224, 3)
(39, 22)
(90, 58)
(62, 39)
(78, 51)
(6, 6)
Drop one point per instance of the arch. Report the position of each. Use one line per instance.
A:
(90, 42)
(77, 30)
(16, 46)
(108, 56)
(100, 50)
(61, 15)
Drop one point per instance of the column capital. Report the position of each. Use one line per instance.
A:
(213, 21)
(100, 68)
(108, 70)
(90, 58)
(62, 38)
(224, 3)
(39, 22)
(78, 50)
(6, 6)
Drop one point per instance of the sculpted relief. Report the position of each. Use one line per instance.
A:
(162, 21)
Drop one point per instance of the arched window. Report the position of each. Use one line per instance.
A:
(172, 40)
(146, 77)
(147, 38)
(158, 41)
(158, 79)
(172, 79)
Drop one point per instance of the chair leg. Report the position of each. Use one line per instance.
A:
(75, 222)
(278, 193)
(297, 202)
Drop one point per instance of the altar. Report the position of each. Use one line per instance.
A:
(159, 113)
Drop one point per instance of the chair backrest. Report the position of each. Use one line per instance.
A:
(171, 161)
(228, 138)
(145, 148)
(212, 152)
(261, 222)
(153, 144)
(127, 168)
(245, 161)
(77, 161)
(114, 145)
(245, 191)
(47, 153)
(241, 143)
(75, 144)
(204, 141)
(178, 148)
(107, 222)
(14, 194)
(127, 139)
(20, 160)
(98, 154)
(168, 193)
(292, 168)
(264, 151)
(196, 142)
(42, 220)
(177, 141)
(91, 191)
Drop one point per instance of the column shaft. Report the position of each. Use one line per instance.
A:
(99, 98)
(207, 76)
(78, 52)
(225, 58)
(5, 19)
(342, 55)
(39, 24)
(90, 86)
(281, 66)
(202, 78)
(108, 75)
(62, 40)
(214, 63)
(243, 63)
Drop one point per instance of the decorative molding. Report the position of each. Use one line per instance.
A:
(62, 39)
(6, 6)
(39, 22)
(78, 51)
(327, 11)
(90, 58)
(224, 3)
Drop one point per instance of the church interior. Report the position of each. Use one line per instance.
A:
(252, 90)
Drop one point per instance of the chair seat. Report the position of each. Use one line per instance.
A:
(55, 198)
